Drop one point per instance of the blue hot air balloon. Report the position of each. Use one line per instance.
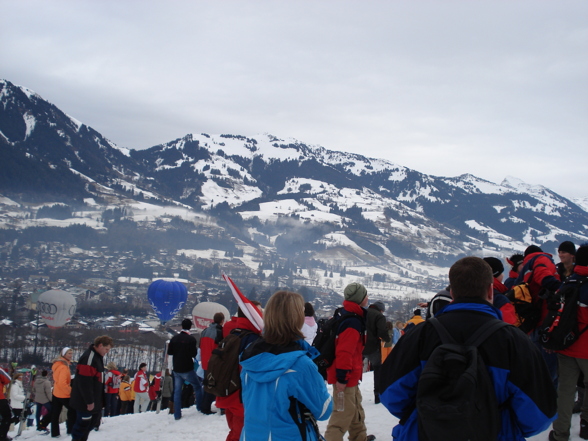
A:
(167, 298)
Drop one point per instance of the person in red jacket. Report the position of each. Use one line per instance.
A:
(112, 381)
(5, 411)
(141, 388)
(154, 391)
(539, 272)
(499, 300)
(573, 360)
(209, 341)
(516, 263)
(346, 370)
(233, 406)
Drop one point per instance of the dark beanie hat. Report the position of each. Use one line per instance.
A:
(186, 324)
(417, 312)
(495, 264)
(355, 292)
(567, 247)
(515, 260)
(532, 249)
(582, 255)
(379, 305)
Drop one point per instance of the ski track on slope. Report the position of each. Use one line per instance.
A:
(198, 427)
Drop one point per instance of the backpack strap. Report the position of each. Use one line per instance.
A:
(484, 332)
(476, 339)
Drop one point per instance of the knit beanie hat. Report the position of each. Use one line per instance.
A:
(355, 292)
(64, 351)
(567, 247)
(532, 249)
(379, 305)
(582, 255)
(495, 264)
(515, 260)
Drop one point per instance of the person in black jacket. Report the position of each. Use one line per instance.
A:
(182, 347)
(522, 384)
(376, 329)
(87, 392)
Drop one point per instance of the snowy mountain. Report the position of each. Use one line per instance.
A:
(299, 200)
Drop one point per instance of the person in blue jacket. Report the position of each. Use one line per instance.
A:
(280, 382)
(522, 384)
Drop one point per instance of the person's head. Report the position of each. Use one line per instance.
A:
(532, 249)
(582, 255)
(44, 373)
(356, 293)
(255, 303)
(566, 252)
(283, 318)
(17, 377)
(111, 365)
(399, 324)
(186, 324)
(471, 277)
(308, 310)
(389, 325)
(103, 344)
(126, 378)
(67, 353)
(218, 318)
(417, 311)
(379, 305)
(143, 367)
(515, 261)
(496, 265)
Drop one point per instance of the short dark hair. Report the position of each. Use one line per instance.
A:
(104, 340)
(308, 310)
(470, 277)
(582, 255)
(44, 373)
(186, 324)
(218, 318)
(142, 365)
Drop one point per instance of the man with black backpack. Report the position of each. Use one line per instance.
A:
(573, 360)
(466, 374)
(346, 370)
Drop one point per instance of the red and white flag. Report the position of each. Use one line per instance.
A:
(249, 309)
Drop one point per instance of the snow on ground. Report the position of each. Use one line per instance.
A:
(198, 427)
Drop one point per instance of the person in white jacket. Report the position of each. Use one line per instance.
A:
(310, 327)
(17, 396)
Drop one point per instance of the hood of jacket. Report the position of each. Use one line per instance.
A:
(264, 363)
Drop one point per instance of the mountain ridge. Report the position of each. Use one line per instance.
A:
(279, 192)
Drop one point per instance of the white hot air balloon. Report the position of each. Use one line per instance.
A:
(204, 312)
(56, 307)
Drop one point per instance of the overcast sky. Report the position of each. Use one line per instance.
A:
(492, 88)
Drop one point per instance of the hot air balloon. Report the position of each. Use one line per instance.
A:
(204, 312)
(56, 307)
(167, 298)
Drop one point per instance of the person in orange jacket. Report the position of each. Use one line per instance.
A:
(62, 392)
(125, 393)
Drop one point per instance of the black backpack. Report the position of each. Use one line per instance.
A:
(223, 376)
(455, 395)
(326, 336)
(560, 329)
